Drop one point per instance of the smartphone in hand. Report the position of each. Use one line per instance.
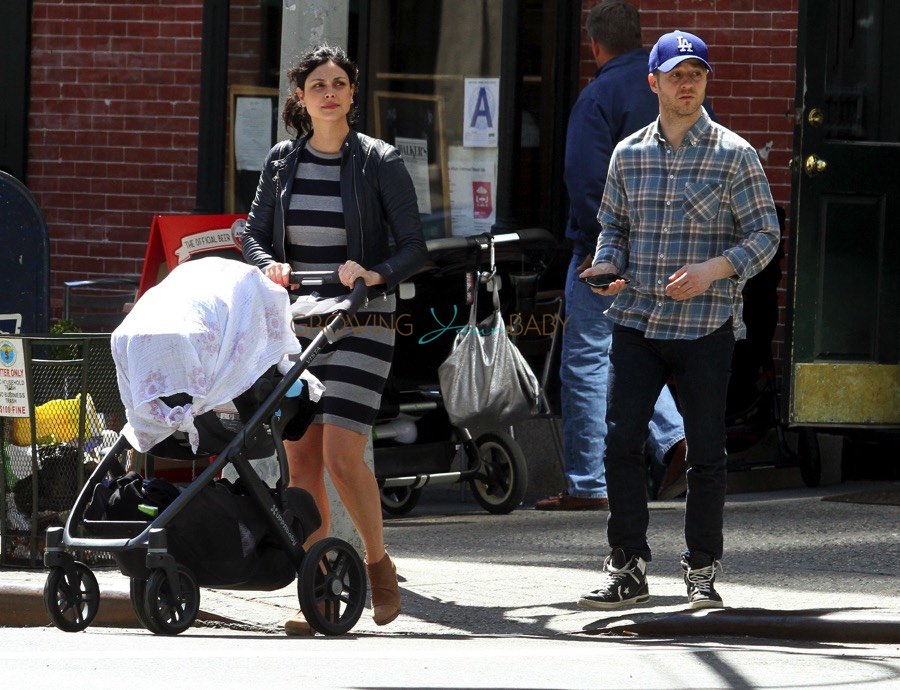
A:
(603, 280)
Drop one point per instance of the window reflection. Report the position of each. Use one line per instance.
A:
(857, 102)
(433, 76)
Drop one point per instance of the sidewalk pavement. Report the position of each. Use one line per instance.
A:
(801, 564)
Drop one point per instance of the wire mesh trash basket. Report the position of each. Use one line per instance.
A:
(59, 407)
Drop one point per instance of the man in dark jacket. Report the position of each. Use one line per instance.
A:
(616, 103)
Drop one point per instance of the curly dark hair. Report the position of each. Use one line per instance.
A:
(293, 114)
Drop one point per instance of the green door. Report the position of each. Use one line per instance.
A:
(15, 27)
(844, 287)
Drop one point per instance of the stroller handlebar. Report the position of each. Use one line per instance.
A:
(350, 304)
(313, 277)
(537, 235)
(357, 298)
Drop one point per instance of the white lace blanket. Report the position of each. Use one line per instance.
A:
(211, 328)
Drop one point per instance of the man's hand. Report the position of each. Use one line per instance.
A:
(694, 279)
(614, 288)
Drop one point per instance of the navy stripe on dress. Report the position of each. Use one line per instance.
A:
(313, 187)
(363, 379)
(360, 337)
(316, 218)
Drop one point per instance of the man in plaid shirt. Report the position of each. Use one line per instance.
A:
(687, 217)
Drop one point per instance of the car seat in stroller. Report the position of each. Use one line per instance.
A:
(240, 535)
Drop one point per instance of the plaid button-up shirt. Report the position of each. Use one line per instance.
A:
(664, 208)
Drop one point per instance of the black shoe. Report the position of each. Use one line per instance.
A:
(700, 583)
(624, 582)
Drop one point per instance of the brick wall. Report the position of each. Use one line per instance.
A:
(753, 51)
(245, 42)
(115, 92)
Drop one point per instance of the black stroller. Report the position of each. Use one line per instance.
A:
(212, 533)
(415, 443)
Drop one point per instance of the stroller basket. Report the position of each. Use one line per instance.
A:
(221, 535)
(224, 539)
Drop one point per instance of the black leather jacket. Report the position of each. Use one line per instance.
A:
(378, 198)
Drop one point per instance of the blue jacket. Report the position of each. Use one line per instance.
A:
(616, 103)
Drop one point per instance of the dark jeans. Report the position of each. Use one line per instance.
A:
(639, 368)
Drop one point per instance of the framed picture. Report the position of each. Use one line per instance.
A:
(414, 123)
(253, 125)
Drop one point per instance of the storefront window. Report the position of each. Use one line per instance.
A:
(433, 90)
(254, 53)
(433, 73)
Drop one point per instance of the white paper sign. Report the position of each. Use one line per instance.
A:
(415, 156)
(13, 386)
(473, 190)
(10, 323)
(482, 106)
(252, 132)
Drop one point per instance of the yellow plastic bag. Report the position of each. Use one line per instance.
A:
(56, 421)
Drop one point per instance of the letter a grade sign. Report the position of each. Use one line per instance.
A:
(480, 112)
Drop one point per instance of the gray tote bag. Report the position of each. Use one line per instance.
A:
(485, 381)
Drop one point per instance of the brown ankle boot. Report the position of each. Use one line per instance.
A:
(298, 625)
(385, 592)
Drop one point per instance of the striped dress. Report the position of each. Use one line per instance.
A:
(355, 368)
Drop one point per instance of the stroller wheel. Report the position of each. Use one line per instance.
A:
(137, 589)
(504, 473)
(332, 586)
(72, 603)
(167, 612)
(399, 500)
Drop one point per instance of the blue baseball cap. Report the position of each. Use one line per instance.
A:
(676, 47)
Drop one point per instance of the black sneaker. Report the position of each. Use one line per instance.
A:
(700, 583)
(624, 582)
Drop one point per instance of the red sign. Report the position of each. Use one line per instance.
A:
(175, 239)
(481, 199)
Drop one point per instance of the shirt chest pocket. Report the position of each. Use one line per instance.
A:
(702, 201)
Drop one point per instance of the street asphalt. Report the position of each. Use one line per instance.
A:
(804, 564)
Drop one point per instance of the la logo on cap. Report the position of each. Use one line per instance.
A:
(675, 47)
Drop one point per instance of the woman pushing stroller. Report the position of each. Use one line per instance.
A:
(329, 200)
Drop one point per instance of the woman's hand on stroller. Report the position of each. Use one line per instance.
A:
(280, 274)
(350, 271)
